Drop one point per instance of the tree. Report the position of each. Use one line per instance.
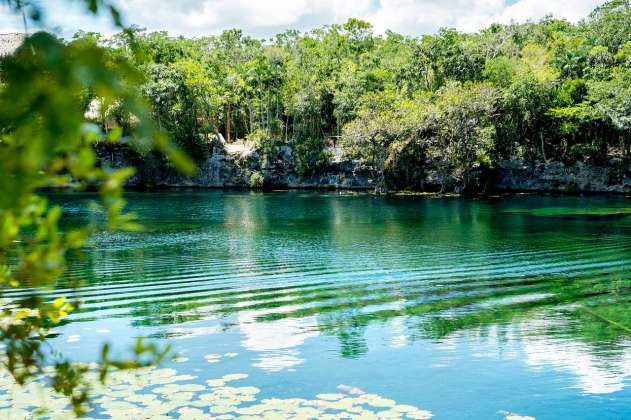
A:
(465, 133)
(182, 100)
(609, 24)
(612, 100)
(521, 122)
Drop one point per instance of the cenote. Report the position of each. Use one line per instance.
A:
(336, 304)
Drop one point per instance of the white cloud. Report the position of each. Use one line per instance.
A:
(562, 358)
(263, 18)
(571, 10)
(415, 17)
(256, 17)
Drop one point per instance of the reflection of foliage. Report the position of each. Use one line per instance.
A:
(45, 143)
(472, 305)
(435, 310)
(600, 322)
(353, 343)
(351, 334)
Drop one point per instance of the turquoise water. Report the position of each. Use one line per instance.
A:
(464, 308)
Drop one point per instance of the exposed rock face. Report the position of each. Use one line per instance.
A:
(242, 167)
(559, 177)
(223, 169)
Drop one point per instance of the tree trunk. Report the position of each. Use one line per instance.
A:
(250, 114)
(261, 122)
(268, 113)
(228, 121)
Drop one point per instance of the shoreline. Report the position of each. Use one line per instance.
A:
(350, 191)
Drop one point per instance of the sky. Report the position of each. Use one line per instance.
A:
(264, 18)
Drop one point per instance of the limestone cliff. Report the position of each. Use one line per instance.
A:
(239, 166)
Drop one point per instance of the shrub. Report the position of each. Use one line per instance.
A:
(311, 156)
(262, 142)
(257, 179)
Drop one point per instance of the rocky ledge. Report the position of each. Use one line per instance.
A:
(239, 166)
(614, 177)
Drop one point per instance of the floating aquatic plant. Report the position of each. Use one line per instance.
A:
(213, 358)
(163, 393)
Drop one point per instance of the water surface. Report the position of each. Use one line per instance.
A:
(465, 308)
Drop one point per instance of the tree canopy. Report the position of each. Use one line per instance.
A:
(540, 90)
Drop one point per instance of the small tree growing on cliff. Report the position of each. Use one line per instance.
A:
(464, 129)
(369, 137)
(453, 129)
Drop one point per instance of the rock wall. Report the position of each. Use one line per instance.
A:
(224, 169)
(245, 168)
(615, 177)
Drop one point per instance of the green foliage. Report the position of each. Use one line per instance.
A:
(550, 79)
(558, 89)
(311, 156)
(612, 98)
(257, 180)
(381, 135)
(180, 105)
(262, 142)
(557, 86)
(573, 91)
(500, 70)
(465, 134)
(45, 142)
(609, 24)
